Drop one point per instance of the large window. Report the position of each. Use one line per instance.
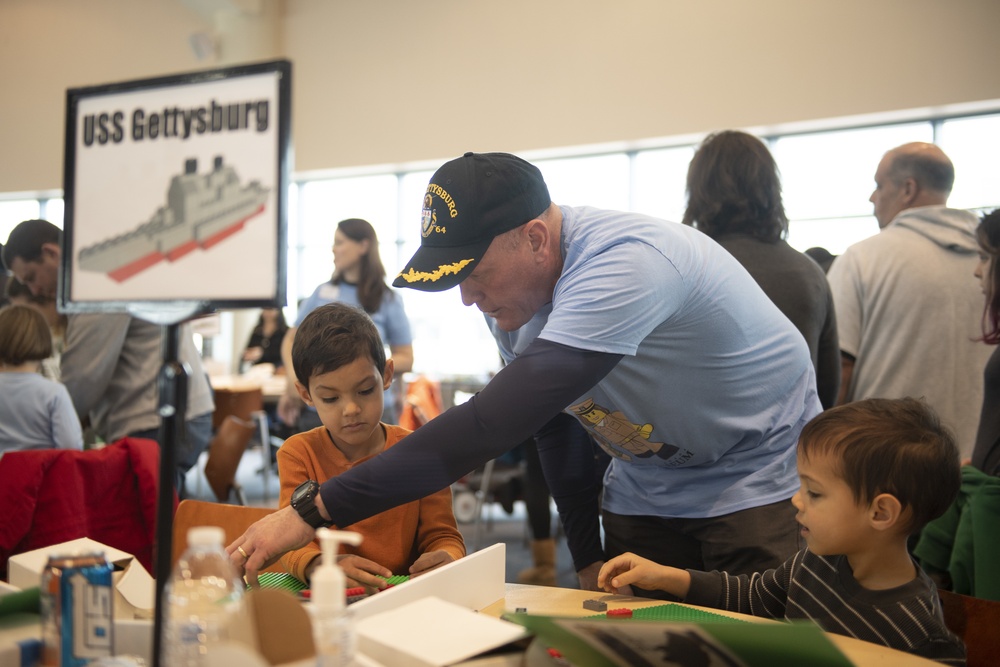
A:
(827, 180)
(828, 177)
(973, 145)
(13, 212)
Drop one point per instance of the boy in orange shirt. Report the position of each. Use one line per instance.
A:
(339, 354)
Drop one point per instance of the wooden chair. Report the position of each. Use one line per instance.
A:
(246, 403)
(239, 401)
(977, 622)
(224, 455)
(233, 519)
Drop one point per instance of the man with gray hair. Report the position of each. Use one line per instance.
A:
(908, 311)
(111, 361)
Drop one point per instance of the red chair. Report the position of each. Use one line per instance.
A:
(49, 496)
(976, 621)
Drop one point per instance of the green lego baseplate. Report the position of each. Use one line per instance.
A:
(287, 582)
(281, 580)
(675, 612)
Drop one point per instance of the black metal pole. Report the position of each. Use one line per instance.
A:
(172, 384)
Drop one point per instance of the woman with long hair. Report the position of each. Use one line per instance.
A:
(264, 346)
(986, 454)
(734, 196)
(359, 280)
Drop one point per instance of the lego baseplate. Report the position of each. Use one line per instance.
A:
(287, 582)
(674, 612)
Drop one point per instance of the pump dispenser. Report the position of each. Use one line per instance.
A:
(332, 629)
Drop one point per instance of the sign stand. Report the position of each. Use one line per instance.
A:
(175, 190)
(172, 384)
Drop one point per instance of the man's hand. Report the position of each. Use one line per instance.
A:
(267, 540)
(430, 561)
(289, 408)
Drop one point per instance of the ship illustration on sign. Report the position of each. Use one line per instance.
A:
(201, 211)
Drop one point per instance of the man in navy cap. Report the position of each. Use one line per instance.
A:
(648, 333)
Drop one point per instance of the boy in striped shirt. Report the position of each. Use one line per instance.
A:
(872, 473)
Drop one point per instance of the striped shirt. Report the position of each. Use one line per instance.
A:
(823, 589)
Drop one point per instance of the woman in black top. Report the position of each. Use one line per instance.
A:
(264, 346)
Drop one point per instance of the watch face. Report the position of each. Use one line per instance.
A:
(304, 492)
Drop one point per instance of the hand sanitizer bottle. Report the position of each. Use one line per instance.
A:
(332, 628)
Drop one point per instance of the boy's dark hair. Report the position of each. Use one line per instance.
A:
(24, 335)
(895, 446)
(25, 240)
(332, 336)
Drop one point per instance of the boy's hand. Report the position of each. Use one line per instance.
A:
(363, 572)
(430, 561)
(622, 571)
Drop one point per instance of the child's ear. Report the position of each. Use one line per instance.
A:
(304, 394)
(390, 369)
(885, 511)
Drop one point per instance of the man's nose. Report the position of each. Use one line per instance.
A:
(469, 295)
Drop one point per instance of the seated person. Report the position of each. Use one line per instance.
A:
(872, 473)
(35, 413)
(338, 349)
(264, 346)
(18, 293)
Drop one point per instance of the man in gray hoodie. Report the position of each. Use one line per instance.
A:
(908, 311)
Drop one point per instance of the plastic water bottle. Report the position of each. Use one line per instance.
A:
(204, 595)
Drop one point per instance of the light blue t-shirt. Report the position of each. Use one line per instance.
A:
(702, 414)
(390, 319)
(36, 413)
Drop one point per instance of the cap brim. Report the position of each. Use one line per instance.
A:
(439, 269)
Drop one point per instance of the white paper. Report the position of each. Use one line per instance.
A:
(432, 633)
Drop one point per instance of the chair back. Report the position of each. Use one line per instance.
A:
(240, 402)
(233, 519)
(49, 496)
(977, 622)
(225, 452)
(422, 403)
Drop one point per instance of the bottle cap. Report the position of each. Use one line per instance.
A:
(206, 536)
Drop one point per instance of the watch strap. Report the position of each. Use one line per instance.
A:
(310, 514)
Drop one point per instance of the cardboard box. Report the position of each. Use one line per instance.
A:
(135, 595)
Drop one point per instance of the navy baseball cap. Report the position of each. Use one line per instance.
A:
(468, 202)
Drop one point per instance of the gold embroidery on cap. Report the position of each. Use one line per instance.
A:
(445, 197)
(412, 276)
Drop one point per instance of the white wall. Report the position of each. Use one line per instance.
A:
(401, 81)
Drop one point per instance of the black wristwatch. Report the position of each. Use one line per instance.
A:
(304, 502)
